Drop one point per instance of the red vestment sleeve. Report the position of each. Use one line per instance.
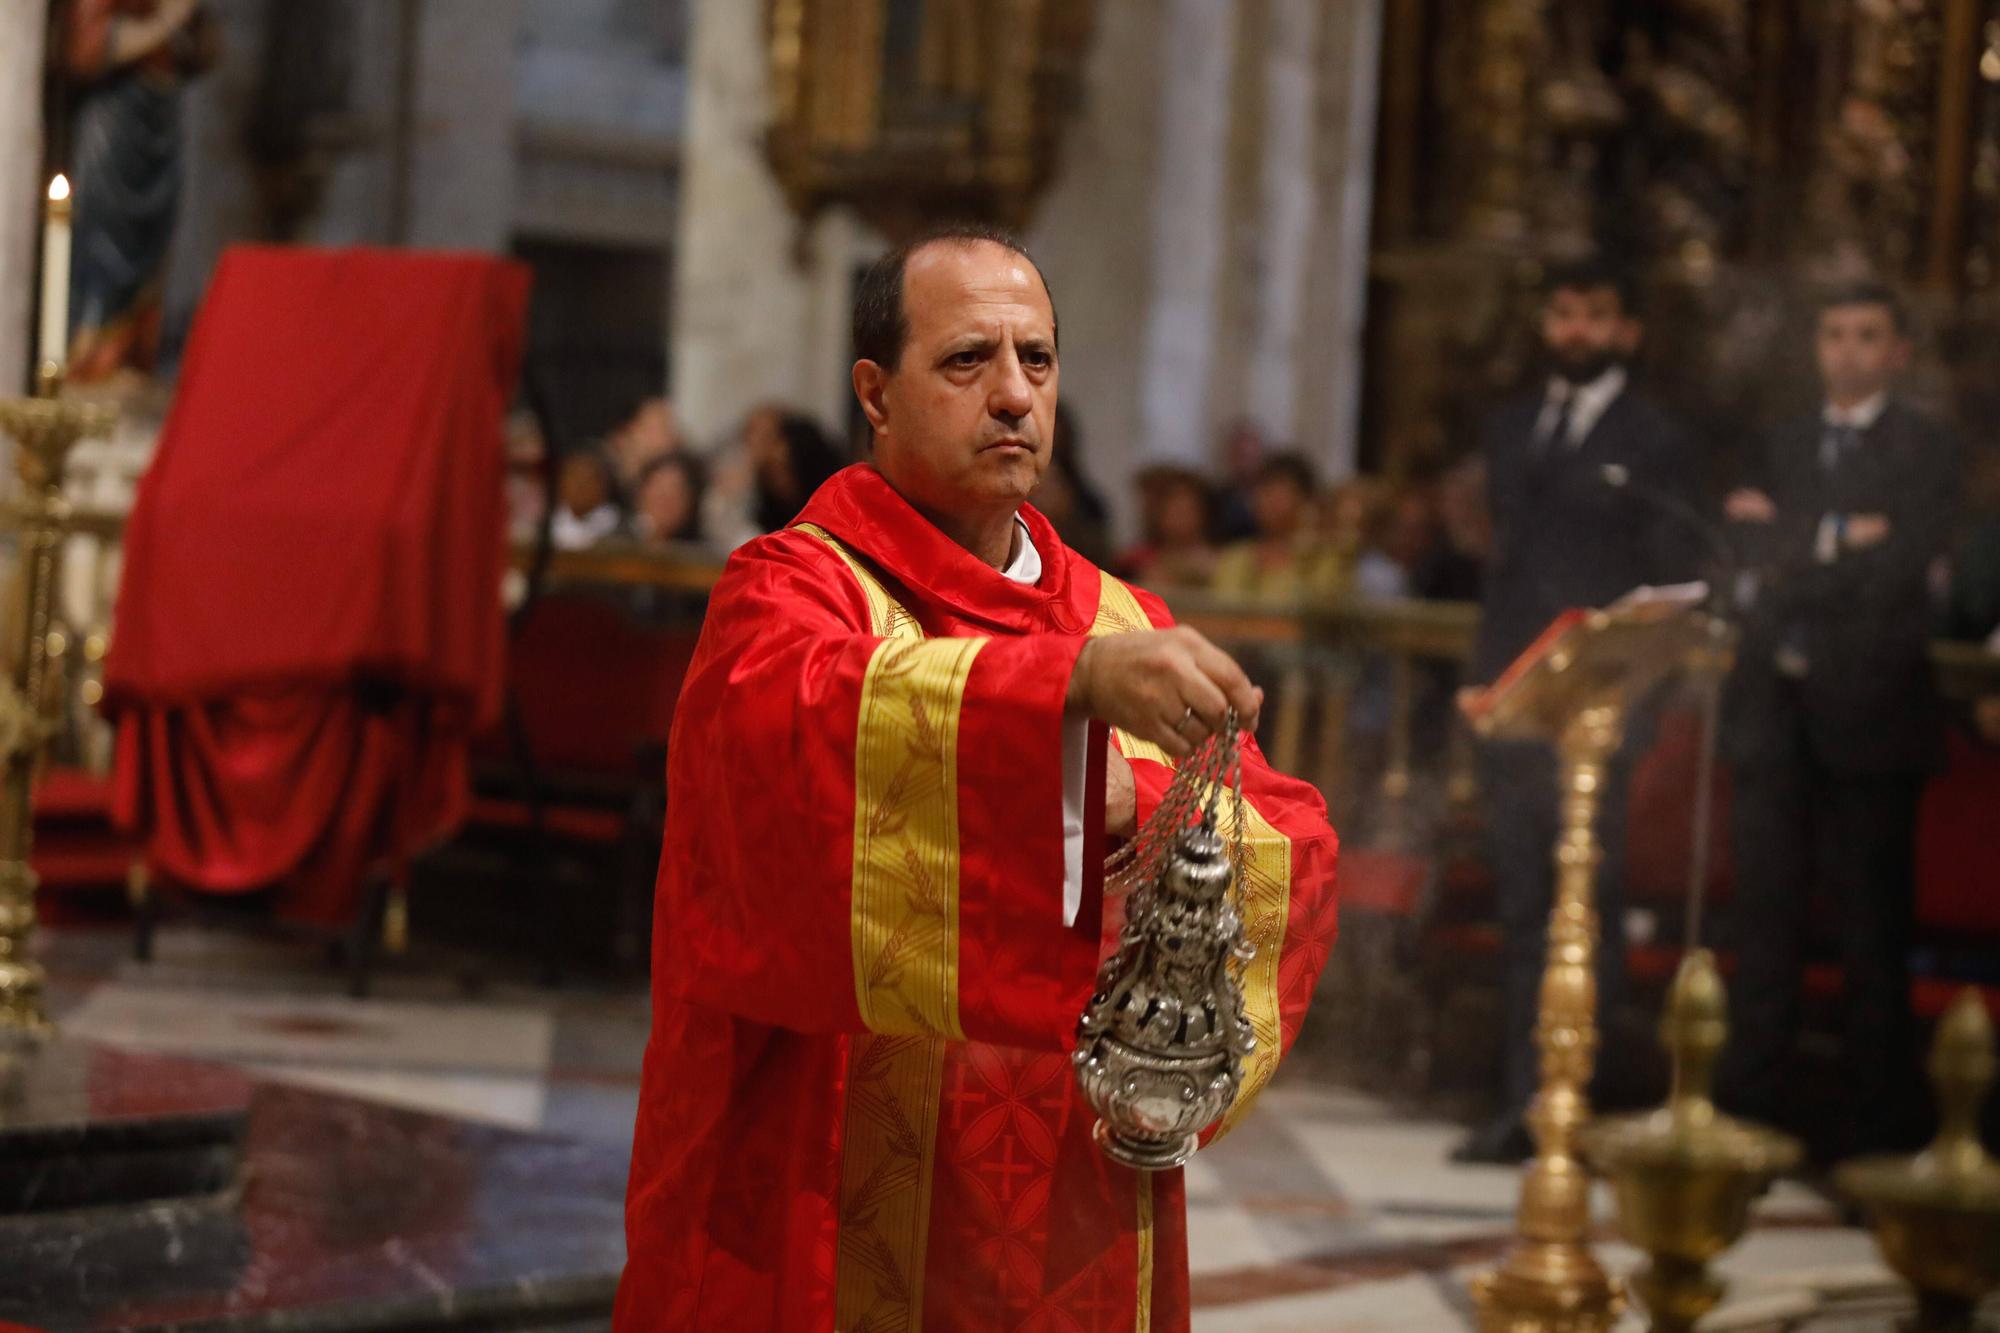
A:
(865, 833)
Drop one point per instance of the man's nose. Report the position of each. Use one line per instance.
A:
(1011, 395)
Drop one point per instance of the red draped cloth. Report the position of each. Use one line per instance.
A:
(857, 1109)
(309, 624)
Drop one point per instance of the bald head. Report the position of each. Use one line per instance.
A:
(962, 402)
(881, 323)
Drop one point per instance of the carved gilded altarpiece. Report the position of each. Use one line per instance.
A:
(1735, 154)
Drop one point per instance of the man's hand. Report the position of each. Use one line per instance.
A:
(1167, 686)
(1866, 530)
(1121, 794)
(1750, 505)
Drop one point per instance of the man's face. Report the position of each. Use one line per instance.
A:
(763, 438)
(667, 502)
(583, 484)
(1243, 450)
(1860, 351)
(1183, 517)
(1279, 506)
(1587, 331)
(965, 422)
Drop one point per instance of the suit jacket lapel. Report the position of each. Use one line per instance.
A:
(1607, 425)
(1514, 458)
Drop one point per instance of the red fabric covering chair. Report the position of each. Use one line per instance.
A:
(309, 626)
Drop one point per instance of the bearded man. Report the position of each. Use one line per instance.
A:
(913, 721)
(1564, 538)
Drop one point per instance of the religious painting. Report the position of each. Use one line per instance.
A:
(123, 65)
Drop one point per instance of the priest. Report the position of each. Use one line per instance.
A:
(913, 722)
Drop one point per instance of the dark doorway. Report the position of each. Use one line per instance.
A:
(597, 331)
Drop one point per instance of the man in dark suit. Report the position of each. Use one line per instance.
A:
(1564, 537)
(1832, 717)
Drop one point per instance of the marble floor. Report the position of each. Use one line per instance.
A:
(1331, 1209)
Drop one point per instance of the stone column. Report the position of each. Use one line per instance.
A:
(1091, 237)
(1188, 212)
(22, 25)
(1289, 194)
(760, 302)
(461, 185)
(1329, 358)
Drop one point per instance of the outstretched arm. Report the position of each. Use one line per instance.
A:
(1289, 905)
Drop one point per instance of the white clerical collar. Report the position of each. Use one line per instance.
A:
(1587, 402)
(1861, 416)
(1026, 566)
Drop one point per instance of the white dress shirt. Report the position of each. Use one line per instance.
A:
(1861, 416)
(1026, 567)
(1587, 404)
(577, 532)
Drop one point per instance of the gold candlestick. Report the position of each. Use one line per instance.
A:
(44, 430)
(1685, 1174)
(1937, 1215)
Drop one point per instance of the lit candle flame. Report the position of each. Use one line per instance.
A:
(58, 189)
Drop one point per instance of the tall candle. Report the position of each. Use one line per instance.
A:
(54, 344)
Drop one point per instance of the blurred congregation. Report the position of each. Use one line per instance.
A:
(437, 356)
(1260, 525)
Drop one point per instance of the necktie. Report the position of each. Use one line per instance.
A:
(1836, 442)
(1557, 435)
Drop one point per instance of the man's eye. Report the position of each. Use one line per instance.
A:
(965, 360)
(1038, 359)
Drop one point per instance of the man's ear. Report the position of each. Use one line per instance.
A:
(871, 384)
(1631, 333)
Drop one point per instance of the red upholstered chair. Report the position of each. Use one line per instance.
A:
(1460, 940)
(1659, 835)
(1958, 872)
(578, 774)
(1958, 875)
(1659, 842)
(77, 848)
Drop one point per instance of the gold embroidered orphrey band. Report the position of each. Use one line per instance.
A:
(894, 1080)
(905, 940)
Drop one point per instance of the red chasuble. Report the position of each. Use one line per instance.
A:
(857, 1110)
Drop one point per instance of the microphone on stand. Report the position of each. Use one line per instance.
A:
(1618, 477)
(1723, 612)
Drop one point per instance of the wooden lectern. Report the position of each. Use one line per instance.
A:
(1575, 688)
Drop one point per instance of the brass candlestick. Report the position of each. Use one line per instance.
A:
(1684, 1175)
(1937, 1215)
(1551, 1282)
(44, 430)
